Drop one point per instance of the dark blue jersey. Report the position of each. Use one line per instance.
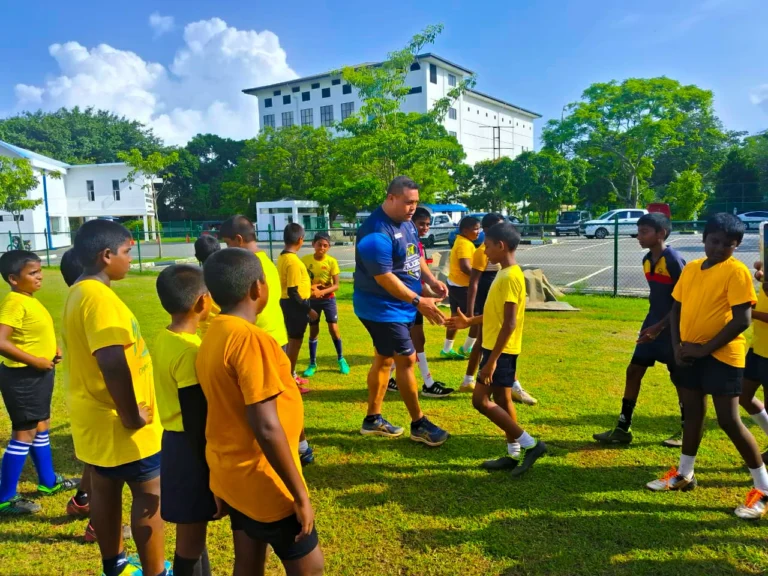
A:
(662, 277)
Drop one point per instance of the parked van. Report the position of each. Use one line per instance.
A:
(572, 222)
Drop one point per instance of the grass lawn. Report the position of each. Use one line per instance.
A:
(394, 507)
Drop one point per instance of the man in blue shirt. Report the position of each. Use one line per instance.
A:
(389, 271)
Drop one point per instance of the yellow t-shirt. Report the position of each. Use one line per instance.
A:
(32, 327)
(203, 326)
(174, 360)
(462, 249)
(706, 297)
(759, 328)
(293, 272)
(271, 318)
(239, 365)
(480, 261)
(508, 286)
(321, 272)
(94, 318)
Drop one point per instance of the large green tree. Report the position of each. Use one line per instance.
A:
(17, 180)
(485, 186)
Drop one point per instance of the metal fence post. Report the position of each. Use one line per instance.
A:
(269, 231)
(10, 241)
(138, 249)
(616, 257)
(47, 251)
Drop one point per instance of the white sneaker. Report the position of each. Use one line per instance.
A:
(524, 397)
(754, 506)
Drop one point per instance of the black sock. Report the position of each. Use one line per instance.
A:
(188, 567)
(81, 498)
(372, 418)
(682, 416)
(115, 566)
(625, 418)
(418, 422)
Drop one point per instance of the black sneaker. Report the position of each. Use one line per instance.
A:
(503, 463)
(392, 386)
(428, 433)
(615, 436)
(437, 390)
(530, 455)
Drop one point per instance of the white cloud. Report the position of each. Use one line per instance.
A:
(200, 91)
(160, 24)
(759, 96)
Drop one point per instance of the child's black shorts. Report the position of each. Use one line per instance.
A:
(710, 376)
(280, 535)
(27, 395)
(506, 367)
(296, 318)
(184, 478)
(483, 286)
(144, 470)
(328, 307)
(457, 298)
(757, 368)
(659, 350)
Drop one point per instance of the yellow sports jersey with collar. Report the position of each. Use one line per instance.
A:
(508, 286)
(321, 272)
(174, 355)
(32, 327)
(271, 318)
(760, 328)
(463, 248)
(293, 272)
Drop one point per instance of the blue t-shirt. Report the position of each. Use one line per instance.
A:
(384, 245)
(662, 277)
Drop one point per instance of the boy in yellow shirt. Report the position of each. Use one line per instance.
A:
(255, 417)
(756, 369)
(713, 301)
(324, 276)
(458, 283)
(111, 394)
(187, 501)
(29, 354)
(502, 321)
(204, 247)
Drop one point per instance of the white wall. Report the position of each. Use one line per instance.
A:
(133, 198)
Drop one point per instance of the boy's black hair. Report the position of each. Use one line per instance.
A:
(13, 262)
(732, 227)
(179, 286)
(657, 221)
(467, 223)
(206, 245)
(504, 232)
(238, 225)
(230, 273)
(70, 267)
(421, 213)
(95, 236)
(490, 219)
(322, 236)
(400, 184)
(293, 233)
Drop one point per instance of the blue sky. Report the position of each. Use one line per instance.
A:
(540, 55)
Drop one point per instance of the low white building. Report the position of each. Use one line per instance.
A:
(487, 127)
(72, 194)
(273, 217)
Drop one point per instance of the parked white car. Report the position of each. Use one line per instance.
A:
(439, 229)
(752, 219)
(603, 226)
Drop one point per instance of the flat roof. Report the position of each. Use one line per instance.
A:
(505, 103)
(30, 155)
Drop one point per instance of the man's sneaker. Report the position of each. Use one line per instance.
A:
(754, 506)
(380, 427)
(437, 390)
(674, 441)
(18, 506)
(75, 509)
(465, 353)
(343, 366)
(467, 387)
(503, 463)
(307, 457)
(310, 371)
(615, 436)
(673, 481)
(392, 386)
(429, 434)
(61, 484)
(529, 456)
(452, 355)
(523, 397)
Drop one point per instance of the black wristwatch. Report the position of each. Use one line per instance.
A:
(416, 301)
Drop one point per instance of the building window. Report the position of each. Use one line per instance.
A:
(56, 224)
(305, 96)
(452, 113)
(18, 218)
(346, 89)
(269, 121)
(326, 115)
(316, 85)
(433, 73)
(347, 109)
(451, 133)
(295, 89)
(276, 93)
(467, 108)
(287, 99)
(115, 191)
(326, 92)
(335, 82)
(90, 191)
(267, 102)
(415, 90)
(306, 117)
(451, 80)
(287, 119)
(415, 66)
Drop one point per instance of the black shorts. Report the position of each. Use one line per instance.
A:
(142, 470)
(27, 395)
(659, 350)
(757, 368)
(710, 376)
(390, 338)
(184, 478)
(483, 286)
(506, 367)
(296, 318)
(328, 307)
(281, 535)
(457, 298)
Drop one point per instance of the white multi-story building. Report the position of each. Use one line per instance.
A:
(485, 126)
(72, 194)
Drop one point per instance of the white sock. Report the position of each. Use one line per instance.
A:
(761, 419)
(513, 449)
(421, 357)
(468, 379)
(517, 387)
(468, 343)
(685, 468)
(526, 440)
(303, 446)
(760, 478)
(448, 346)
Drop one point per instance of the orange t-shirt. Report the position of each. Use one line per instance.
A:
(238, 365)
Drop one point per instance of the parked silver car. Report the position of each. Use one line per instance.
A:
(439, 229)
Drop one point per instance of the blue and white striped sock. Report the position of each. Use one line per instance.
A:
(13, 463)
(43, 459)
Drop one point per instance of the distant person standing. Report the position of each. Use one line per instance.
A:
(388, 276)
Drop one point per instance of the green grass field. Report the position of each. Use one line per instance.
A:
(394, 507)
